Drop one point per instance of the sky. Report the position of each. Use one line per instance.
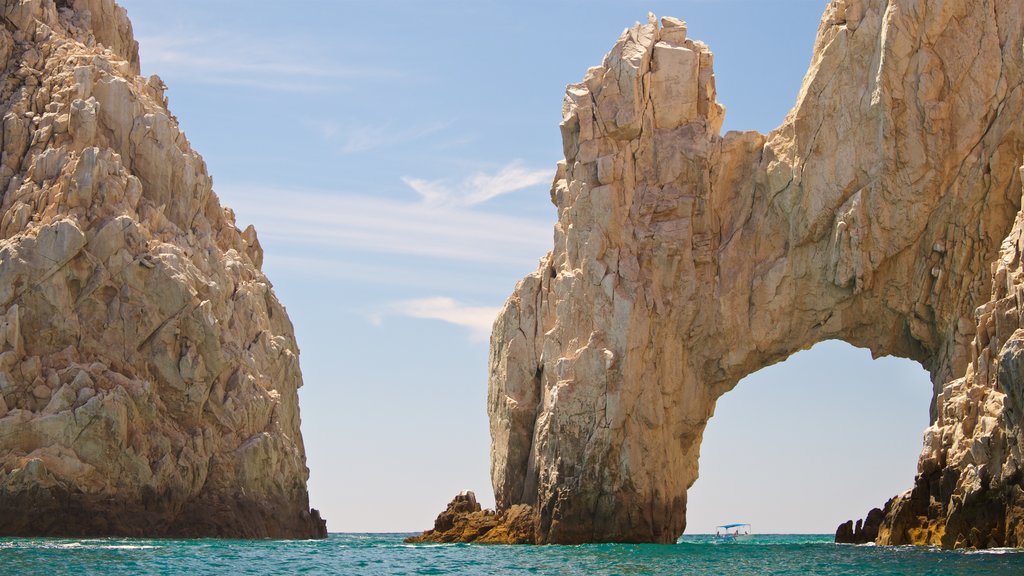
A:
(395, 158)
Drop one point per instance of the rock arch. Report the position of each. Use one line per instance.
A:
(885, 211)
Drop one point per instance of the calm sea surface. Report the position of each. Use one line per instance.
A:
(386, 554)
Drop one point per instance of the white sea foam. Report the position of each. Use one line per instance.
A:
(997, 551)
(93, 545)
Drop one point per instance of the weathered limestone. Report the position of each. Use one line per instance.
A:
(885, 211)
(148, 374)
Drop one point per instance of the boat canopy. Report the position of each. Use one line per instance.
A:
(728, 526)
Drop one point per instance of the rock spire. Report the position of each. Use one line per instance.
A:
(148, 374)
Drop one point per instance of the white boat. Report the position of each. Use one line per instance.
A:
(733, 532)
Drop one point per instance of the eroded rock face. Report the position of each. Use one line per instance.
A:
(883, 212)
(148, 374)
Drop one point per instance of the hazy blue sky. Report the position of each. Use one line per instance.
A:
(395, 157)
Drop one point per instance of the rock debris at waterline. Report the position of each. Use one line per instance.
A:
(464, 521)
(148, 374)
(884, 211)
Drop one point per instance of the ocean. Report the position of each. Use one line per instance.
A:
(372, 554)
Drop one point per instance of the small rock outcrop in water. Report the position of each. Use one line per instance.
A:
(885, 211)
(465, 521)
(863, 532)
(148, 374)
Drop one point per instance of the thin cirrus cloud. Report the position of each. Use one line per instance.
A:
(479, 187)
(239, 61)
(297, 222)
(445, 230)
(477, 319)
(470, 281)
(365, 138)
(445, 223)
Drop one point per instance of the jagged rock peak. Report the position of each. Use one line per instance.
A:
(148, 374)
(884, 211)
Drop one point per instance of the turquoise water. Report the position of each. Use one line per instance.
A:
(386, 554)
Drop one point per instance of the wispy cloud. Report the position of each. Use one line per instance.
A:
(470, 279)
(243, 61)
(477, 319)
(299, 221)
(356, 139)
(444, 235)
(479, 187)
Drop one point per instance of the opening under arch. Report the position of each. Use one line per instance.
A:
(806, 444)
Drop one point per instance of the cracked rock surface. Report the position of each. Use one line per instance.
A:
(148, 374)
(884, 211)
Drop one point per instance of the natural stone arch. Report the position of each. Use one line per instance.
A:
(683, 261)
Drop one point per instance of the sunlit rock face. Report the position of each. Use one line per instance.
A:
(148, 374)
(884, 211)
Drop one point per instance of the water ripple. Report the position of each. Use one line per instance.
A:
(386, 554)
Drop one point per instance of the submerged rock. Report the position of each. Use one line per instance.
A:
(148, 374)
(885, 211)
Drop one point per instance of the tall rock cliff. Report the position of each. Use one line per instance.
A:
(148, 374)
(885, 211)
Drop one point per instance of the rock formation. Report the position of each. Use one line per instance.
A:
(884, 211)
(464, 521)
(148, 374)
(863, 532)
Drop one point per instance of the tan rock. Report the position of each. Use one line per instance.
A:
(61, 400)
(144, 359)
(464, 521)
(41, 390)
(674, 81)
(885, 211)
(517, 525)
(673, 30)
